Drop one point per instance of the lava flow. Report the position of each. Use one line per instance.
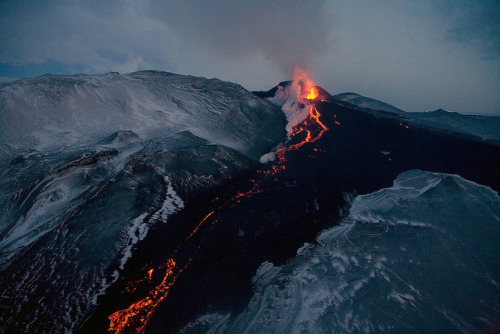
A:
(136, 316)
(313, 119)
(306, 93)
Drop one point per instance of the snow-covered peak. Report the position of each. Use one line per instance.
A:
(54, 111)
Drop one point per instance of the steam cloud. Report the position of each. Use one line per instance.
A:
(291, 97)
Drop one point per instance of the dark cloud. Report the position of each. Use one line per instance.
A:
(286, 32)
(476, 24)
(96, 36)
(198, 37)
(417, 55)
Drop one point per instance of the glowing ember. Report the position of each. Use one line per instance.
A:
(150, 274)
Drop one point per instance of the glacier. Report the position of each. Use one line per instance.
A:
(420, 256)
(90, 163)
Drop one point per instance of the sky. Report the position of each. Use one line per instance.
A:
(416, 55)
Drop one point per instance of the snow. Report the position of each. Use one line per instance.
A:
(426, 263)
(55, 111)
(368, 103)
(50, 198)
(210, 324)
(482, 127)
(89, 163)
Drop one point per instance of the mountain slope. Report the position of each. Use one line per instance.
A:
(135, 203)
(485, 128)
(202, 280)
(393, 264)
(90, 163)
(367, 103)
(56, 111)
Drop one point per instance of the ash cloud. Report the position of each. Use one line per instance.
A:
(476, 24)
(288, 33)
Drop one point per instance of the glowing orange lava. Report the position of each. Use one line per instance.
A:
(136, 316)
(312, 94)
(198, 227)
(150, 274)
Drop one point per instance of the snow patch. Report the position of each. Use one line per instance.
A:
(139, 228)
(140, 225)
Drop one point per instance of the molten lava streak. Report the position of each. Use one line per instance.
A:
(313, 118)
(136, 316)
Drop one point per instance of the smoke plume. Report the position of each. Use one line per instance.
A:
(286, 32)
(292, 97)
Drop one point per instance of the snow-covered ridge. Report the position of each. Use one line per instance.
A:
(368, 103)
(420, 256)
(55, 111)
(89, 163)
(483, 127)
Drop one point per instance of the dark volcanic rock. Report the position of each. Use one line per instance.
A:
(359, 154)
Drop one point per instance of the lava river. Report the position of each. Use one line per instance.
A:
(136, 317)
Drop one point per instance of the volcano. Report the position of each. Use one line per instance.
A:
(142, 203)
